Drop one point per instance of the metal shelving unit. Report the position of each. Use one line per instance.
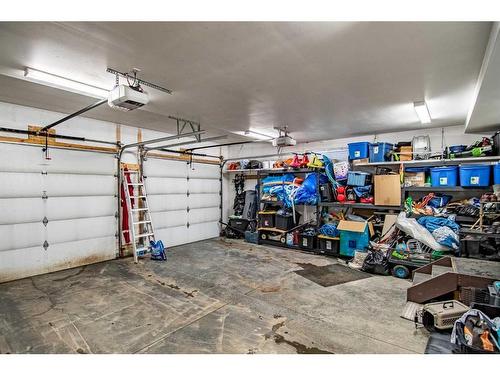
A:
(359, 205)
(448, 188)
(261, 173)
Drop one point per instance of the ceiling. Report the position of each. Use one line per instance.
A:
(323, 80)
(484, 115)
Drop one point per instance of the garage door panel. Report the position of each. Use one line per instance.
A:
(203, 231)
(167, 202)
(77, 253)
(22, 262)
(204, 186)
(173, 236)
(18, 236)
(205, 171)
(23, 158)
(65, 208)
(79, 185)
(21, 210)
(80, 229)
(81, 162)
(165, 168)
(18, 185)
(204, 200)
(157, 185)
(203, 215)
(169, 219)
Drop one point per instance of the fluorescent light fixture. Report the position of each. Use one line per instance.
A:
(63, 83)
(256, 134)
(422, 112)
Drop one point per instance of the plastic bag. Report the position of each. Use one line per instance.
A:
(307, 192)
(272, 181)
(446, 237)
(158, 250)
(412, 228)
(439, 201)
(329, 230)
(376, 262)
(443, 230)
(459, 338)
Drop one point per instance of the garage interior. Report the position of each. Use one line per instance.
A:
(194, 187)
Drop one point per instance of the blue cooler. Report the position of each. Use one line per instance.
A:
(444, 176)
(496, 174)
(475, 175)
(379, 150)
(358, 150)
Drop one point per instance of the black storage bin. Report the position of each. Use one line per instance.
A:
(470, 247)
(491, 310)
(328, 245)
(239, 224)
(326, 193)
(267, 219)
(307, 241)
(285, 221)
(496, 143)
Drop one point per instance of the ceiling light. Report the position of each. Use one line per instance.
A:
(256, 134)
(67, 84)
(422, 112)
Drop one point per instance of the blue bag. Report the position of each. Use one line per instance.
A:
(158, 250)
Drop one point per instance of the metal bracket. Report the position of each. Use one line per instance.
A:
(44, 173)
(44, 195)
(183, 123)
(187, 224)
(45, 245)
(187, 209)
(45, 221)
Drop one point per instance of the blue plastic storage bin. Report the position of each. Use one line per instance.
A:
(358, 150)
(496, 174)
(378, 152)
(475, 175)
(444, 176)
(355, 178)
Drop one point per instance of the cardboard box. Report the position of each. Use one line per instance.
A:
(360, 161)
(414, 179)
(406, 153)
(387, 190)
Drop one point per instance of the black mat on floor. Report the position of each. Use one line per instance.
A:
(439, 343)
(333, 274)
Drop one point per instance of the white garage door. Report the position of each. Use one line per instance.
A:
(184, 200)
(55, 214)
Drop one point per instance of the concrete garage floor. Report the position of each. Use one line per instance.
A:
(214, 296)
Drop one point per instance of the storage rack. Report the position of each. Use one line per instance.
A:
(261, 173)
(406, 191)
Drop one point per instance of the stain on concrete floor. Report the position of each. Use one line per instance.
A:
(214, 296)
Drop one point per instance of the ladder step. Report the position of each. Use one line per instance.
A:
(144, 235)
(137, 196)
(141, 222)
(130, 171)
(135, 184)
(140, 209)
